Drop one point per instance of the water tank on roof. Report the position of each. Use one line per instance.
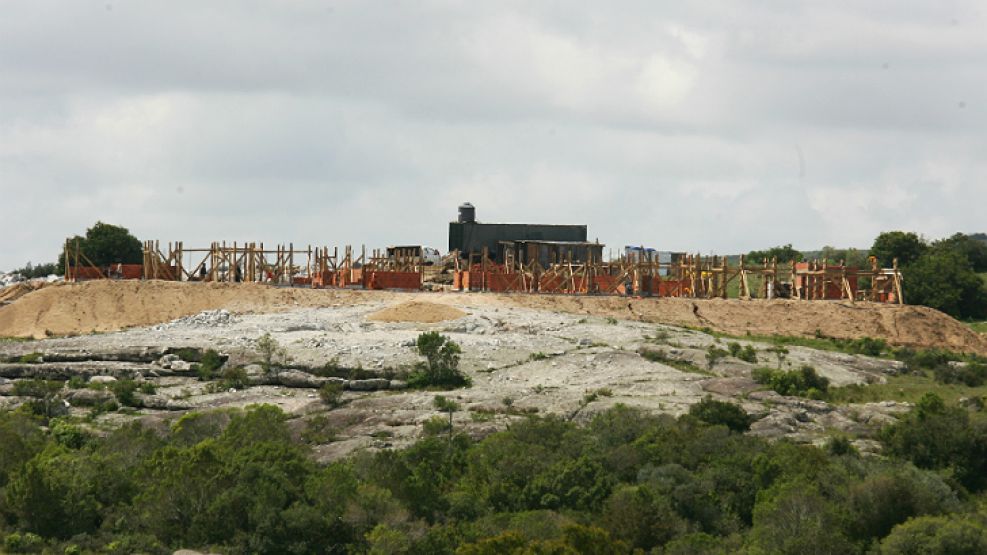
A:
(467, 213)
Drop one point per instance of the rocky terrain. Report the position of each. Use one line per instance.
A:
(521, 361)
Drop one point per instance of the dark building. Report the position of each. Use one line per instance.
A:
(468, 235)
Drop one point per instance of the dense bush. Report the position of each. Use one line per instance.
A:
(941, 275)
(719, 412)
(242, 481)
(441, 365)
(804, 382)
(747, 353)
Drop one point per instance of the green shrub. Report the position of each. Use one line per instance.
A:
(441, 366)
(76, 382)
(209, 364)
(23, 543)
(147, 388)
(721, 413)
(867, 346)
(68, 435)
(804, 382)
(331, 393)
(231, 378)
(124, 391)
(31, 358)
(318, 431)
(272, 354)
(747, 353)
(188, 354)
(47, 395)
(436, 425)
(714, 355)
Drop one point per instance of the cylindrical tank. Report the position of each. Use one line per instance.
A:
(467, 213)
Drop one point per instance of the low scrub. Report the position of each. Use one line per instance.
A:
(804, 382)
(747, 353)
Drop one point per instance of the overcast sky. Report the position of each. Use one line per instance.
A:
(717, 127)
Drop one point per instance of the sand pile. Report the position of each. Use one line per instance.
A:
(13, 292)
(417, 311)
(102, 306)
(915, 326)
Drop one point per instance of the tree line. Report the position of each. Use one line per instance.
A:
(941, 274)
(244, 481)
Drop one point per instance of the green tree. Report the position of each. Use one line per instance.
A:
(106, 244)
(936, 535)
(907, 247)
(974, 250)
(720, 413)
(441, 366)
(935, 436)
(797, 519)
(446, 405)
(943, 279)
(783, 253)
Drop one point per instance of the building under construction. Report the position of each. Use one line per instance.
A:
(506, 258)
(467, 235)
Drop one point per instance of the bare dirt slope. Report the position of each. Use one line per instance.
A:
(417, 311)
(102, 306)
(917, 326)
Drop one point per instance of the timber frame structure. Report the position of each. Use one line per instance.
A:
(693, 276)
(553, 270)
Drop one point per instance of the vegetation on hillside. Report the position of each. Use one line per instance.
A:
(626, 482)
(941, 274)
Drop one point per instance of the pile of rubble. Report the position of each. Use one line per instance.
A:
(205, 319)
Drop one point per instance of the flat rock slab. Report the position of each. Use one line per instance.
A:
(66, 370)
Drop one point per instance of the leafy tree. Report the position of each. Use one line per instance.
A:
(797, 519)
(936, 535)
(441, 366)
(853, 258)
(721, 413)
(935, 436)
(783, 253)
(974, 250)
(446, 405)
(106, 244)
(642, 517)
(944, 280)
(907, 247)
(41, 270)
(272, 354)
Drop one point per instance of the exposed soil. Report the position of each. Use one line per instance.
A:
(417, 311)
(104, 306)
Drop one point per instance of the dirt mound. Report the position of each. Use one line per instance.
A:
(914, 326)
(103, 306)
(13, 292)
(417, 311)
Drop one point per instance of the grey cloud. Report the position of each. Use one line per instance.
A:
(677, 126)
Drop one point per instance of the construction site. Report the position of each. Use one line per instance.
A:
(542, 315)
(503, 258)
